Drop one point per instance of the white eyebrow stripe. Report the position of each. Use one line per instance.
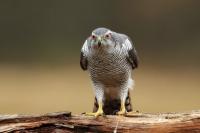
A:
(94, 34)
(108, 32)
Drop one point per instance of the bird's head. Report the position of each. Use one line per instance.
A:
(101, 38)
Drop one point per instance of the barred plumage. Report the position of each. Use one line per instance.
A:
(109, 58)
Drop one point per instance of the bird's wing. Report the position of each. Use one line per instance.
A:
(83, 56)
(132, 56)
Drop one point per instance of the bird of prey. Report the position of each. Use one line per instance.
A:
(109, 58)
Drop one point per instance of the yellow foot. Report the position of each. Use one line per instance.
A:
(133, 114)
(99, 111)
(121, 112)
(96, 114)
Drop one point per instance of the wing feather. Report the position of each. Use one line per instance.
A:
(132, 56)
(83, 56)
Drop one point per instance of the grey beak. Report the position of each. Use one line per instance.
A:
(99, 43)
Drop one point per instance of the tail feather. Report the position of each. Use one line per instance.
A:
(111, 107)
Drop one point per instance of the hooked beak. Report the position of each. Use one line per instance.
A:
(99, 41)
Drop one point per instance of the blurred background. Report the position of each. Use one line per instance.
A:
(40, 44)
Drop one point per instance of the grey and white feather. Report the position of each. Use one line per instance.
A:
(109, 58)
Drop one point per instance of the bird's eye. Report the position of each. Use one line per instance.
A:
(107, 35)
(93, 36)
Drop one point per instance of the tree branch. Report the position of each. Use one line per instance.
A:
(65, 122)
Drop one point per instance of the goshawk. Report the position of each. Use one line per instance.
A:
(109, 58)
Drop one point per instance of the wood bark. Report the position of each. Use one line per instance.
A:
(64, 122)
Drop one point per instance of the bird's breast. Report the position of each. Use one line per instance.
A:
(110, 69)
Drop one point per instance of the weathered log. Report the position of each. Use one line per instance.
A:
(64, 122)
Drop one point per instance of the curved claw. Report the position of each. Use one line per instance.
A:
(123, 109)
(121, 112)
(96, 114)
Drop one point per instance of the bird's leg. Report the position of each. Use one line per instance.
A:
(122, 108)
(99, 95)
(99, 111)
(123, 95)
